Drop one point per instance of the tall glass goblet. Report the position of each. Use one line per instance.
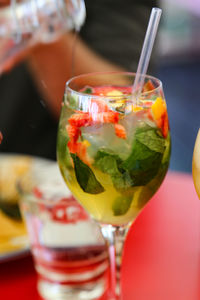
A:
(113, 152)
(196, 164)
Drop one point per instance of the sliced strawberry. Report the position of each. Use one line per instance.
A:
(127, 90)
(148, 103)
(120, 131)
(149, 114)
(72, 145)
(106, 117)
(165, 128)
(79, 119)
(81, 151)
(165, 125)
(73, 132)
(102, 90)
(148, 86)
(98, 106)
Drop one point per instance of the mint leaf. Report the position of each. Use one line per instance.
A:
(122, 181)
(139, 169)
(143, 164)
(85, 177)
(109, 163)
(156, 182)
(87, 90)
(167, 153)
(62, 149)
(152, 140)
(121, 205)
(145, 159)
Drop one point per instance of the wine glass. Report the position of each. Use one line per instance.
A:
(113, 152)
(196, 164)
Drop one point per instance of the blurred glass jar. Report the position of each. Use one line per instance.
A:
(29, 22)
(70, 254)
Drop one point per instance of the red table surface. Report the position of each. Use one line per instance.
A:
(161, 256)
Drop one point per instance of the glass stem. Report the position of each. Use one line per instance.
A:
(114, 236)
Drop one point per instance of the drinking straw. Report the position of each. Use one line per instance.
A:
(146, 52)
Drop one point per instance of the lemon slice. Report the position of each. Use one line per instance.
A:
(196, 164)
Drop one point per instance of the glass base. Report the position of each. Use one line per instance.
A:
(87, 291)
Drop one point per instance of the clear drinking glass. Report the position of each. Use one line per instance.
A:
(69, 251)
(113, 153)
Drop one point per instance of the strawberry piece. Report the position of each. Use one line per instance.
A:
(148, 86)
(82, 153)
(165, 127)
(80, 149)
(127, 90)
(72, 145)
(120, 131)
(79, 119)
(98, 106)
(163, 124)
(106, 117)
(73, 132)
(148, 103)
(102, 90)
(149, 114)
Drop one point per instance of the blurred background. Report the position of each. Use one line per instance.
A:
(29, 127)
(33, 83)
(179, 69)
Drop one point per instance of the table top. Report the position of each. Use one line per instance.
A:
(161, 258)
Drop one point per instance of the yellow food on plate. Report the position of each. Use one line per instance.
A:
(12, 234)
(11, 169)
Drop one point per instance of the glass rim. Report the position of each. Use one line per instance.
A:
(30, 198)
(68, 88)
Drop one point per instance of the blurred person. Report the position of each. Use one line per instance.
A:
(31, 94)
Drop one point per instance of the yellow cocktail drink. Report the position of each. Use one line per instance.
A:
(113, 153)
